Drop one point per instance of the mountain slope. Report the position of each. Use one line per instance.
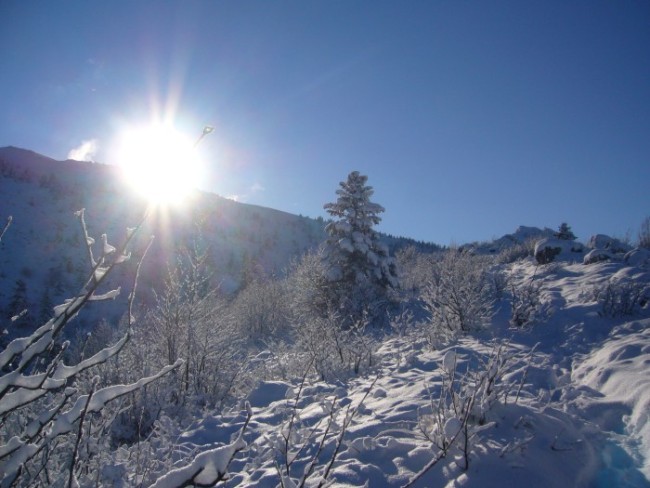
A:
(44, 246)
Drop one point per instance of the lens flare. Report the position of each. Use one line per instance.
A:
(159, 162)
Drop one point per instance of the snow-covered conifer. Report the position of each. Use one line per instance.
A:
(357, 262)
(565, 233)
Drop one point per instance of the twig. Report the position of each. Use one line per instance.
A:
(9, 220)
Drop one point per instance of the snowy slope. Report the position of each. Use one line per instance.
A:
(44, 248)
(561, 402)
(569, 406)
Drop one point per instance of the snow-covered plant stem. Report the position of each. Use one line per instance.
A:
(71, 478)
(526, 302)
(4, 229)
(620, 298)
(209, 467)
(464, 400)
(291, 453)
(349, 415)
(36, 414)
(288, 460)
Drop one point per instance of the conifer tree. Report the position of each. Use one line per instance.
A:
(358, 266)
(565, 233)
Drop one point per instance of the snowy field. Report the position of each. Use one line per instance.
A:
(564, 402)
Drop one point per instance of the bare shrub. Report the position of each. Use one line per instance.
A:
(526, 304)
(261, 310)
(336, 350)
(299, 445)
(620, 298)
(459, 410)
(307, 288)
(459, 296)
(517, 252)
(51, 412)
(644, 233)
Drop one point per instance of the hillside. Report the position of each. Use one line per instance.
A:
(44, 247)
(484, 369)
(567, 404)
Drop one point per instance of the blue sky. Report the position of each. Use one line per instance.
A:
(469, 118)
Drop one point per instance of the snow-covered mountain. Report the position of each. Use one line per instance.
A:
(44, 248)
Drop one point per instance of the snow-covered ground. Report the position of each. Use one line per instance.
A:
(564, 402)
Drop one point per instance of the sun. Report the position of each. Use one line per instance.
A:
(159, 162)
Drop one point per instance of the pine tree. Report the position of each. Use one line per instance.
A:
(565, 233)
(358, 265)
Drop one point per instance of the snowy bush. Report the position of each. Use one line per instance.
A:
(261, 310)
(549, 249)
(52, 422)
(460, 295)
(618, 298)
(459, 410)
(335, 349)
(306, 446)
(191, 321)
(526, 304)
(517, 252)
(415, 271)
(644, 234)
(307, 288)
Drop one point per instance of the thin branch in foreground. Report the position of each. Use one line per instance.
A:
(4, 229)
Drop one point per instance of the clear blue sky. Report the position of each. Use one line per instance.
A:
(469, 117)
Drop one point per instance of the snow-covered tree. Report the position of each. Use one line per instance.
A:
(358, 265)
(188, 322)
(565, 233)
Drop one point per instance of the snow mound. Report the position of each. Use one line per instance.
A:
(620, 372)
(607, 243)
(638, 257)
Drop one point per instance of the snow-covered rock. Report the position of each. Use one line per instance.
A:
(597, 255)
(638, 257)
(607, 243)
(553, 249)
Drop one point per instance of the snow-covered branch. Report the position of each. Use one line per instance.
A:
(208, 468)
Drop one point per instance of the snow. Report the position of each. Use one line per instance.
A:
(597, 255)
(204, 470)
(570, 407)
(106, 247)
(619, 371)
(109, 295)
(638, 257)
(568, 250)
(605, 242)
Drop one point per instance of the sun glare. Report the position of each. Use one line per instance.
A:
(159, 162)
